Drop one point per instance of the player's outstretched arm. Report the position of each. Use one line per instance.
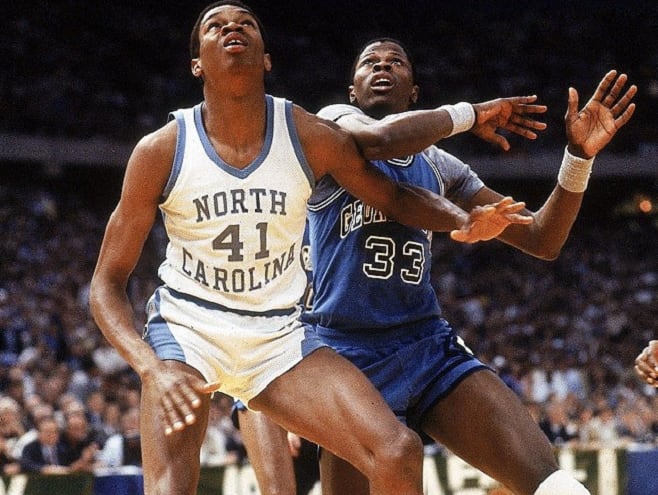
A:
(588, 131)
(412, 131)
(331, 150)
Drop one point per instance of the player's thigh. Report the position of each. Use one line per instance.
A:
(339, 477)
(485, 423)
(267, 449)
(170, 460)
(328, 401)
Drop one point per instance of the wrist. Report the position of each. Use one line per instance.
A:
(462, 115)
(574, 172)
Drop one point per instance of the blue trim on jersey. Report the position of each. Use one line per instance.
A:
(321, 202)
(439, 178)
(178, 154)
(240, 173)
(297, 145)
(218, 307)
(159, 336)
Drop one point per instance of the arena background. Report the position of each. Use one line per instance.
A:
(82, 81)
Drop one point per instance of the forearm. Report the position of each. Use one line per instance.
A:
(411, 132)
(420, 208)
(114, 315)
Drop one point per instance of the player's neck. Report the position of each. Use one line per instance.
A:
(236, 126)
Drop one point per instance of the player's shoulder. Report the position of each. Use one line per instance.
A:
(158, 147)
(337, 110)
(310, 125)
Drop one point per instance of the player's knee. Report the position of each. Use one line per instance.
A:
(561, 483)
(406, 448)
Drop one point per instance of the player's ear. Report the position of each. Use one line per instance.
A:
(352, 95)
(267, 60)
(415, 92)
(195, 66)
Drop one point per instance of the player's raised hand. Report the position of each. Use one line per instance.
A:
(489, 221)
(646, 363)
(591, 129)
(514, 114)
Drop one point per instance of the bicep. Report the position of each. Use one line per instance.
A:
(341, 159)
(131, 221)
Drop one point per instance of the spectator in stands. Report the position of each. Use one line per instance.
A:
(44, 455)
(556, 424)
(79, 443)
(11, 425)
(601, 429)
(123, 448)
(35, 415)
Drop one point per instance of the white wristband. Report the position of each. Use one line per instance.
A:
(574, 172)
(462, 115)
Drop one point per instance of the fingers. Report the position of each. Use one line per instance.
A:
(519, 219)
(572, 104)
(646, 364)
(510, 210)
(462, 236)
(622, 105)
(527, 109)
(179, 404)
(613, 93)
(602, 89)
(209, 388)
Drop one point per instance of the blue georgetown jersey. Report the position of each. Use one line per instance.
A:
(370, 272)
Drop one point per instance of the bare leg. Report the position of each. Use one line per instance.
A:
(339, 477)
(267, 449)
(171, 463)
(342, 411)
(486, 424)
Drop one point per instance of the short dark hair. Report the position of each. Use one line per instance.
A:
(384, 39)
(194, 37)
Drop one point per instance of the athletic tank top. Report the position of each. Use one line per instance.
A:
(370, 272)
(235, 235)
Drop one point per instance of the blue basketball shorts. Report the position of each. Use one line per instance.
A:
(413, 366)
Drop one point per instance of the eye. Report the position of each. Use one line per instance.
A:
(214, 25)
(248, 22)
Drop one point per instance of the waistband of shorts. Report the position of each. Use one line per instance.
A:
(377, 335)
(219, 307)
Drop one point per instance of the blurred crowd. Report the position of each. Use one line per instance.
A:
(79, 69)
(562, 334)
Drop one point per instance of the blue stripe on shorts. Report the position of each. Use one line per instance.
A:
(158, 335)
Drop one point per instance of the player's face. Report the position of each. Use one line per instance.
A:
(229, 38)
(383, 80)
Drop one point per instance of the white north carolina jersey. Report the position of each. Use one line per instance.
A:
(235, 235)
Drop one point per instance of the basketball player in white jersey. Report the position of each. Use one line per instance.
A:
(231, 177)
(381, 311)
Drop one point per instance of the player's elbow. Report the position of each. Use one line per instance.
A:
(545, 252)
(375, 143)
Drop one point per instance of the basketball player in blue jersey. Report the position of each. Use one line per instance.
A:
(374, 302)
(231, 177)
